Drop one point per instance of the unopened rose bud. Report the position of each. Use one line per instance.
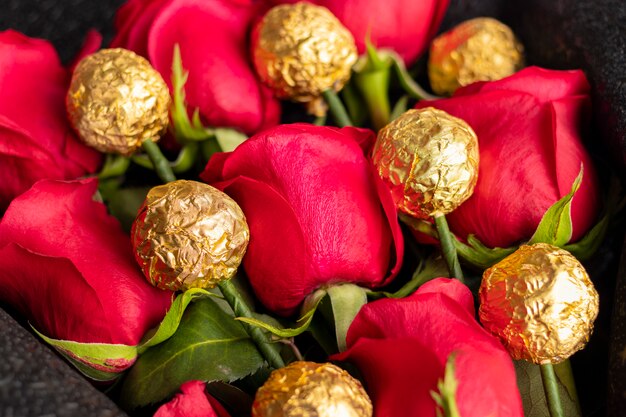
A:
(301, 50)
(540, 302)
(429, 161)
(189, 235)
(313, 390)
(481, 49)
(116, 101)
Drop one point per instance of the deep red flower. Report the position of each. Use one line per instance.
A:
(529, 129)
(213, 39)
(317, 211)
(401, 347)
(36, 140)
(405, 26)
(192, 401)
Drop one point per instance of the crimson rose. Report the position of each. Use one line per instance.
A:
(67, 266)
(401, 347)
(213, 39)
(36, 140)
(193, 401)
(529, 129)
(317, 211)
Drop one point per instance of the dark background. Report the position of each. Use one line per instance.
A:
(559, 34)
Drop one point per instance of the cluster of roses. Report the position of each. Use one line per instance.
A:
(317, 211)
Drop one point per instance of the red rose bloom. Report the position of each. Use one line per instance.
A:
(193, 401)
(213, 39)
(67, 266)
(317, 212)
(529, 129)
(405, 26)
(36, 140)
(401, 347)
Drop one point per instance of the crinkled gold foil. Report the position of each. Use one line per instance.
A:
(429, 161)
(540, 302)
(116, 100)
(481, 49)
(308, 389)
(189, 235)
(300, 50)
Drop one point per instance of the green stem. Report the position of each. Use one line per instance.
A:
(241, 309)
(566, 377)
(161, 164)
(337, 108)
(551, 388)
(448, 248)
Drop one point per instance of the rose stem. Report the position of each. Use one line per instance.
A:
(241, 309)
(447, 247)
(161, 164)
(551, 389)
(337, 108)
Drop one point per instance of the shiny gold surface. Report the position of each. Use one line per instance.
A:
(116, 100)
(188, 234)
(301, 50)
(481, 49)
(429, 160)
(540, 302)
(307, 389)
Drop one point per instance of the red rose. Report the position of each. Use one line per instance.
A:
(405, 26)
(529, 129)
(401, 347)
(318, 214)
(67, 266)
(213, 39)
(193, 401)
(36, 140)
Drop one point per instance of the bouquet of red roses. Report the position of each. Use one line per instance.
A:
(391, 253)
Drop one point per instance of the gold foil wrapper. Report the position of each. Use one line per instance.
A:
(429, 161)
(189, 235)
(116, 100)
(308, 389)
(540, 302)
(481, 49)
(300, 50)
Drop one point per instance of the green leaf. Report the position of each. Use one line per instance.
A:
(124, 204)
(98, 361)
(446, 397)
(555, 227)
(533, 396)
(208, 345)
(346, 301)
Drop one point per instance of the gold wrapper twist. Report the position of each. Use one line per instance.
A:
(540, 302)
(189, 235)
(308, 389)
(481, 49)
(301, 50)
(429, 161)
(116, 100)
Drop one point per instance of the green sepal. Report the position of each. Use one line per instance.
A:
(183, 163)
(479, 255)
(354, 103)
(371, 75)
(346, 301)
(399, 108)
(228, 139)
(446, 395)
(408, 84)
(114, 166)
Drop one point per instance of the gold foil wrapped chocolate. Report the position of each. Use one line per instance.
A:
(540, 302)
(308, 389)
(116, 100)
(429, 161)
(481, 49)
(189, 235)
(300, 50)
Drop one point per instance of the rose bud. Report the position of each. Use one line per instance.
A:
(116, 101)
(401, 347)
(325, 217)
(302, 50)
(189, 235)
(193, 401)
(36, 141)
(481, 49)
(529, 129)
(213, 40)
(540, 302)
(67, 266)
(429, 161)
(406, 26)
(311, 389)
